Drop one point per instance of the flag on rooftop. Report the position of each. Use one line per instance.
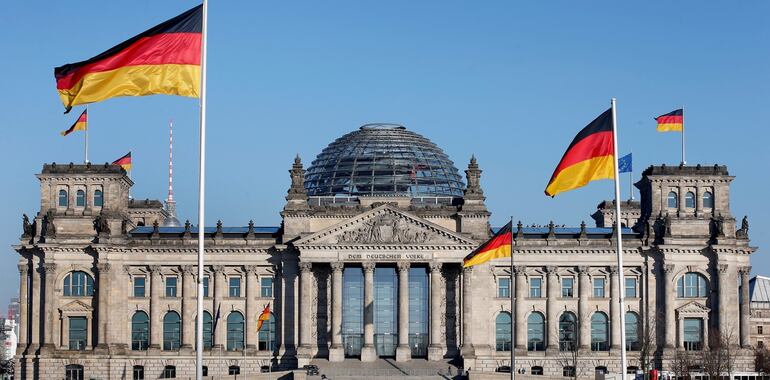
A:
(81, 124)
(625, 164)
(671, 122)
(165, 59)
(496, 247)
(124, 162)
(589, 157)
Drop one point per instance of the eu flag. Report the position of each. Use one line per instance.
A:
(624, 164)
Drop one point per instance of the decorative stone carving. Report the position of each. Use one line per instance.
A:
(218, 269)
(155, 230)
(519, 231)
(296, 197)
(583, 234)
(473, 176)
(23, 269)
(337, 266)
(251, 269)
(582, 269)
(743, 232)
(49, 229)
(250, 232)
(403, 266)
(613, 270)
(722, 268)
(467, 270)
(368, 267)
(187, 234)
(101, 226)
(669, 268)
(745, 270)
(435, 266)
(49, 268)
(218, 232)
(28, 229)
(520, 269)
(155, 269)
(189, 270)
(550, 270)
(305, 266)
(103, 268)
(551, 230)
(386, 228)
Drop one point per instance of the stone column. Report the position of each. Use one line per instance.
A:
(669, 287)
(521, 295)
(467, 350)
(35, 317)
(50, 320)
(156, 292)
(368, 353)
(219, 338)
(102, 311)
(584, 292)
(337, 352)
(189, 301)
(552, 327)
(745, 302)
(306, 307)
(437, 346)
(403, 353)
(252, 309)
(23, 299)
(616, 319)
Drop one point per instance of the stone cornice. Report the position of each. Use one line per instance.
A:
(574, 250)
(386, 247)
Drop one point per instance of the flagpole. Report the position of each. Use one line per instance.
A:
(684, 161)
(201, 198)
(86, 136)
(631, 178)
(619, 240)
(510, 287)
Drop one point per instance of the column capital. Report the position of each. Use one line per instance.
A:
(435, 266)
(468, 270)
(403, 266)
(104, 267)
(551, 270)
(251, 269)
(722, 268)
(305, 266)
(127, 269)
(368, 267)
(520, 269)
(49, 268)
(218, 269)
(337, 266)
(744, 270)
(583, 269)
(669, 268)
(155, 269)
(613, 269)
(23, 269)
(189, 270)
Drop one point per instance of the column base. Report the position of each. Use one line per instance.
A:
(47, 348)
(435, 352)
(468, 351)
(336, 354)
(186, 349)
(403, 353)
(368, 354)
(101, 349)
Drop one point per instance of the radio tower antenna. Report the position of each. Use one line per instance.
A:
(171, 219)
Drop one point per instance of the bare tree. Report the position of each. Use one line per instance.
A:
(647, 344)
(569, 353)
(719, 358)
(682, 364)
(762, 359)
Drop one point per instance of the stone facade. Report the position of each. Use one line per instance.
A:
(680, 234)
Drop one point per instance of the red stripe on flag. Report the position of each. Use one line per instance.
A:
(670, 119)
(596, 145)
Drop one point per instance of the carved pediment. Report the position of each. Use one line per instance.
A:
(692, 309)
(76, 307)
(385, 225)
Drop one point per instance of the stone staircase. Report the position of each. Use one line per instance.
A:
(386, 369)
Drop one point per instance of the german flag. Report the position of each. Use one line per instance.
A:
(496, 247)
(81, 124)
(671, 122)
(124, 162)
(264, 317)
(165, 59)
(589, 157)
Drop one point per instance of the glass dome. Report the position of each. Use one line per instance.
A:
(383, 159)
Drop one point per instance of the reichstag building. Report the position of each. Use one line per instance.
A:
(367, 264)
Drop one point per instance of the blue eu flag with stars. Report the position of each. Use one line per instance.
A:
(624, 164)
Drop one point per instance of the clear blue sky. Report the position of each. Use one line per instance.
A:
(507, 81)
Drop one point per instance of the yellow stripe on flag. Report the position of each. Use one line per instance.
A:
(581, 173)
(501, 251)
(674, 127)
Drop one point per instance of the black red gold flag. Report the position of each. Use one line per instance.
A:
(124, 162)
(81, 124)
(496, 247)
(264, 317)
(671, 122)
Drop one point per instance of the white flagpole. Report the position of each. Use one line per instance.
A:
(86, 145)
(513, 322)
(684, 161)
(621, 277)
(201, 199)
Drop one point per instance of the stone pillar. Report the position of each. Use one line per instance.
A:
(467, 350)
(189, 302)
(337, 352)
(403, 353)
(102, 311)
(616, 319)
(368, 353)
(23, 299)
(306, 307)
(552, 327)
(669, 287)
(50, 320)
(584, 292)
(521, 295)
(699, 201)
(437, 346)
(219, 338)
(35, 317)
(156, 292)
(745, 302)
(252, 309)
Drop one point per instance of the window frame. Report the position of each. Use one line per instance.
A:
(602, 289)
(685, 288)
(534, 345)
(73, 372)
(603, 344)
(171, 286)
(674, 199)
(169, 372)
(73, 338)
(63, 201)
(268, 343)
(689, 200)
(172, 332)
(568, 338)
(98, 198)
(266, 291)
(137, 372)
(85, 284)
(206, 283)
(636, 344)
(137, 343)
(233, 343)
(570, 290)
(233, 370)
(502, 336)
(80, 198)
(136, 286)
(503, 291)
(691, 345)
(708, 199)
(231, 288)
(635, 282)
(536, 291)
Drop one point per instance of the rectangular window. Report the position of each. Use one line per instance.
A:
(567, 287)
(78, 333)
(205, 286)
(599, 287)
(171, 286)
(235, 286)
(503, 287)
(266, 287)
(630, 287)
(139, 286)
(693, 334)
(535, 286)
(138, 372)
(759, 330)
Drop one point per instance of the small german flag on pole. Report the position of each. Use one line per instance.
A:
(124, 162)
(589, 157)
(165, 59)
(81, 124)
(264, 317)
(496, 247)
(671, 122)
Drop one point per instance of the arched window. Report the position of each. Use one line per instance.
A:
(708, 200)
(207, 330)
(235, 331)
(80, 198)
(98, 198)
(140, 331)
(692, 285)
(689, 199)
(503, 332)
(599, 332)
(73, 372)
(567, 332)
(171, 331)
(632, 332)
(267, 335)
(536, 332)
(673, 200)
(63, 200)
(78, 284)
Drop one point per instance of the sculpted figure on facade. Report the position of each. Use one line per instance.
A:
(389, 229)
